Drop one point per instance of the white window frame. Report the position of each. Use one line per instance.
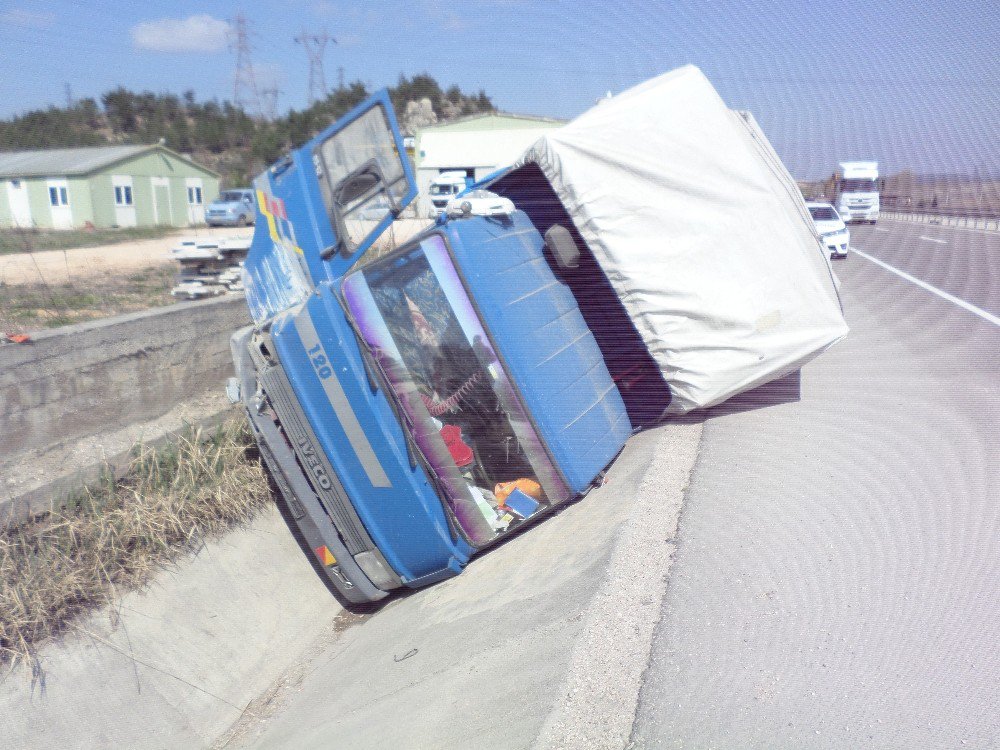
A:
(123, 196)
(58, 196)
(194, 195)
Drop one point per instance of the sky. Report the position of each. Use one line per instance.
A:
(912, 85)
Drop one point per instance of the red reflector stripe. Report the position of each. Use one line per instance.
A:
(325, 555)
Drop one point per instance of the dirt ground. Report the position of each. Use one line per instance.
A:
(52, 288)
(93, 263)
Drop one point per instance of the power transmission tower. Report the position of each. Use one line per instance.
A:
(340, 78)
(269, 101)
(315, 46)
(245, 90)
(69, 96)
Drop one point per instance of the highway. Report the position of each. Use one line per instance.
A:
(831, 581)
(836, 578)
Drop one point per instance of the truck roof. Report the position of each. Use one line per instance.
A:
(859, 168)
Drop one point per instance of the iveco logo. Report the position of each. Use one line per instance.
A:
(308, 454)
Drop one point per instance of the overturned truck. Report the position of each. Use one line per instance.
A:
(414, 407)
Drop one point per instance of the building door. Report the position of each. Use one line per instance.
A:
(61, 211)
(124, 205)
(163, 209)
(196, 207)
(17, 199)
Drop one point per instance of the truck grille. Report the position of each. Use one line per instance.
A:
(314, 463)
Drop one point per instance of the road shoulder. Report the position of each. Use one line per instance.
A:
(601, 692)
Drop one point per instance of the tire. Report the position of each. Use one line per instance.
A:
(242, 221)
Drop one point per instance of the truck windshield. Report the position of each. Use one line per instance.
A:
(858, 185)
(444, 189)
(457, 400)
(823, 213)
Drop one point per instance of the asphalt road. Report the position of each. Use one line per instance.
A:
(836, 579)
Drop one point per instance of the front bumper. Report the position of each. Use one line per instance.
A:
(862, 215)
(304, 507)
(226, 220)
(837, 244)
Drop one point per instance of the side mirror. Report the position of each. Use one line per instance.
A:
(563, 246)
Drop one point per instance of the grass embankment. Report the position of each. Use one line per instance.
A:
(111, 538)
(27, 307)
(35, 240)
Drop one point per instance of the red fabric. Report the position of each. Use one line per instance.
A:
(460, 452)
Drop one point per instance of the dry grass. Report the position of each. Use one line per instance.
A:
(113, 537)
(29, 307)
(28, 240)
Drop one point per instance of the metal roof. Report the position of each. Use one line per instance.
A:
(58, 162)
(495, 114)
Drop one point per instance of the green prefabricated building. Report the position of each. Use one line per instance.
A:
(104, 186)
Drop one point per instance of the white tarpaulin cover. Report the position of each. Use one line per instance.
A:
(701, 231)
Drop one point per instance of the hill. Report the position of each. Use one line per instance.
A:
(221, 135)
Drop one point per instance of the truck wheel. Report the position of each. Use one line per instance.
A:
(242, 221)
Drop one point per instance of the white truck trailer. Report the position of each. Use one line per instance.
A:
(857, 196)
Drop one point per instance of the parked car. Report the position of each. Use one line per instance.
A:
(831, 228)
(233, 208)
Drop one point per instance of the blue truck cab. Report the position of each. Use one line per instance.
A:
(416, 406)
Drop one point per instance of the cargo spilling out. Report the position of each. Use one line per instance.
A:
(650, 258)
(209, 267)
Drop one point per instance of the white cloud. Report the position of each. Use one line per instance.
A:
(201, 33)
(27, 18)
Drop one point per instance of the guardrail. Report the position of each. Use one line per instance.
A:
(971, 222)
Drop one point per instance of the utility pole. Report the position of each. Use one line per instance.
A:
(69, 96)
(245, 91)
(315, 46)
(340, 78)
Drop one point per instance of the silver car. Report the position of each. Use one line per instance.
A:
(233, 208)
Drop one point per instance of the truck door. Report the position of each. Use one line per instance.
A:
(324, 204)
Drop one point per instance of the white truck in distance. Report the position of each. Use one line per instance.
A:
(445, 187)
(857, 191)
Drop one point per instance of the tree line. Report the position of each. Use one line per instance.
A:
(219, 135)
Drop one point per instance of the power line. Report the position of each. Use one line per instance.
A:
(315, 46)
(244, 82)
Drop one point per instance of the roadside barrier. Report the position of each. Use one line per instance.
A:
(970, 222)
